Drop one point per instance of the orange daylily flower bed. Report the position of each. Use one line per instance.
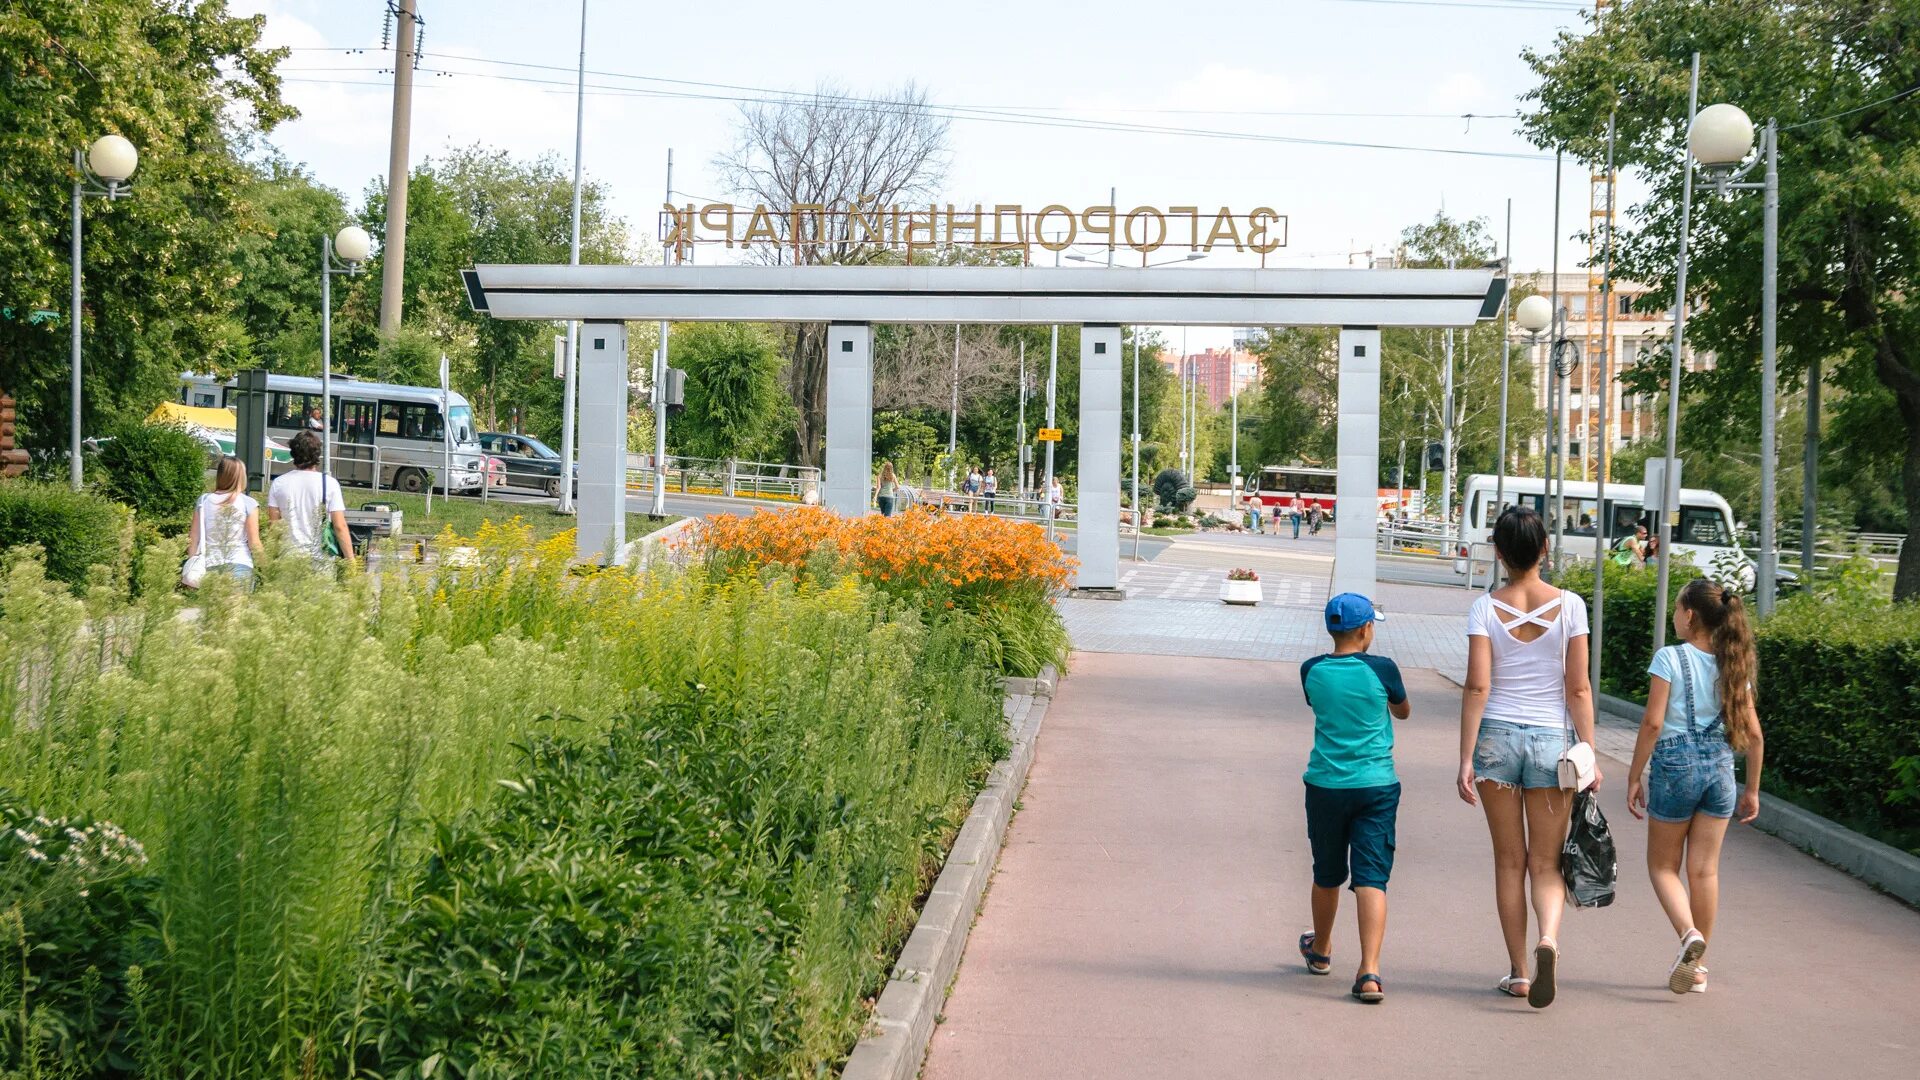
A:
(919, 549)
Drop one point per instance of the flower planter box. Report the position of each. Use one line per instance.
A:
(1245, 593)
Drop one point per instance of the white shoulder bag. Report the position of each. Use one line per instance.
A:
(194, 570)
(1576, 766)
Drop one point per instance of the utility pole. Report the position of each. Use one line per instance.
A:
(953, 415)
(1020, 440)
(659, 505)
(1446, 435)
(1670, 498)
(1053, 378)
(568, 384)
(393, 260)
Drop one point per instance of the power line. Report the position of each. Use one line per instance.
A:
(1008, 117)
(801, 95)
(1888, 100)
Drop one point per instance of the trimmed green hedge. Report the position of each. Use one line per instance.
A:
(1838, 686)
(1627, 644)
(78, 530)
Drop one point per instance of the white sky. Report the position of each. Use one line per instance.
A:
(1224, 63)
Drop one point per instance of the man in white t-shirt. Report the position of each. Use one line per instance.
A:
(297, 498)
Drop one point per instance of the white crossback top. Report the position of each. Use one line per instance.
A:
(1529, 677)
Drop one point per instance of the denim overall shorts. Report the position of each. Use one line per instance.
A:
(1692, 772)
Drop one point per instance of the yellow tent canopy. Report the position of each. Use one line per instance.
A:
(170, 412)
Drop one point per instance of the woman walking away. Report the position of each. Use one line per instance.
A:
(886, 490)
(226, 524)
(1295, 508)
(1525, 701)
(1700, 712)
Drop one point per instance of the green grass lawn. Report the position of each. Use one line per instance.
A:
(465, 515)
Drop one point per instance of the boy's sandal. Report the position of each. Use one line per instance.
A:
(1372, 997)
(1316, 964)
(1514, 985)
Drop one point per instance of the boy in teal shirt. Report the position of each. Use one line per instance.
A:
(1353, 794)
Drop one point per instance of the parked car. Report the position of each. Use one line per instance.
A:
(529, 463)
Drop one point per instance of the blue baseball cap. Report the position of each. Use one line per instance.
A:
(1350, 611)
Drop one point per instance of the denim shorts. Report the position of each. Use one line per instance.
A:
(1691, 774)
(1354, 824)
(1519, 755)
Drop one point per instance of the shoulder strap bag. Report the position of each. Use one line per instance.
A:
(1576, 766)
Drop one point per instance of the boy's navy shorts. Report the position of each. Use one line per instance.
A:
(1356, 824)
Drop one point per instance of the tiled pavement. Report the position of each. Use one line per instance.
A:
(1162, 582)
(1290, 629)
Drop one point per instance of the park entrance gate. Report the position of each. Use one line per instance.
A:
(852, 298)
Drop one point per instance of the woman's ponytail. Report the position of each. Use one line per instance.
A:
(1724, 617)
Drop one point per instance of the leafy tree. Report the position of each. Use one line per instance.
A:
(276, 265)
(157, 469)
(815, 151)
(1838, 76)
(908, 442)
(734, 400)
(183, 81)
(1298, 396)
(481, 205)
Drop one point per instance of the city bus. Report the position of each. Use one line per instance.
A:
(400, 427)
(1704, 530)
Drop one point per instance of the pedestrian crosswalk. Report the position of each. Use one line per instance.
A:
(1155, 582)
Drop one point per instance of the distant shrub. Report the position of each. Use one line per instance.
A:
(77, 530)
(158, 469)
(1174, 490)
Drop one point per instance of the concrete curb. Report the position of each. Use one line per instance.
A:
(1882, 866)
(901, 1027)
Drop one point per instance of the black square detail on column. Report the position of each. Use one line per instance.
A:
(1359, 350)
(599, 343)
(1099, 347)
(847, 345)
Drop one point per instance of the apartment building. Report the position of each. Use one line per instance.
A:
(1634, 334)
(1219, 373)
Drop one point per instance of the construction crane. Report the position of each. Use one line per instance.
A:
(1600, 222)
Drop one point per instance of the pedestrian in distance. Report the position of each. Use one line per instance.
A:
(1056, 498)
(989, 487)
(1526, 702)
(310, 503)
(1313, 516)
(1295, 509)
(225, 533)
(1254, 506)
(886, 489)
(1353, 793)
(1700, 712)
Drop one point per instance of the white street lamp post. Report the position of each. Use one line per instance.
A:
(1669, 497)
(345, 252)
(110, 161)
(1720, 137)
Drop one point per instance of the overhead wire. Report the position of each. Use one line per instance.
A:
(977, 114)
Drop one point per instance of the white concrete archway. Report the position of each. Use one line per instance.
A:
(851, 298)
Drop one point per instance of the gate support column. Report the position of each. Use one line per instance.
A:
(1357, 486)
(849, 459)
(1098, 547)
(602, 507)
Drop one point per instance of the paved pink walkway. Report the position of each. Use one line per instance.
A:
(1143, 918)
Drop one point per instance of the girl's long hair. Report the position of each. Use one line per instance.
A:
(886, 472)
(230, 477)
(1721, 613)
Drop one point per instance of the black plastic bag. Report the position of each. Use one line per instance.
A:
(1587, 862)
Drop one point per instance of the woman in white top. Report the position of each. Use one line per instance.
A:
(1525, 701)
(226, 523)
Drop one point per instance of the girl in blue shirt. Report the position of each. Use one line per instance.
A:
(1700, 712)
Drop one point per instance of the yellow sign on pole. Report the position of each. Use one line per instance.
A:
(1049, 434)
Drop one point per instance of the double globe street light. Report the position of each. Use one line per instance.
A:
(1718, 140)
(103, 169)
(345, 252)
